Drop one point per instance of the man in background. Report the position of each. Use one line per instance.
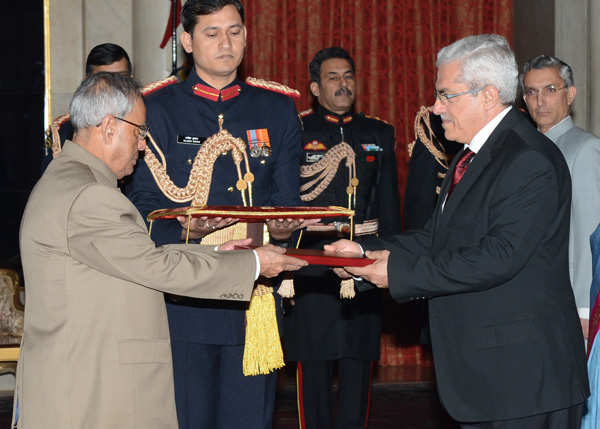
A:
(323, 329)
(549, 91)
(96, 349)
(106, 57)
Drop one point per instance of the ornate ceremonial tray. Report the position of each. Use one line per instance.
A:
(252, 214)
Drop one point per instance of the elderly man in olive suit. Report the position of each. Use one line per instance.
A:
(96, 347)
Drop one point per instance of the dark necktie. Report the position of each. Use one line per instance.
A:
(460, 169)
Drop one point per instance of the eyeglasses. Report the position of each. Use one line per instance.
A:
(144, 130)
(547, 91)
(445, 97)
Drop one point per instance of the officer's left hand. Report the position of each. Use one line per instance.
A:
(282, 229)
(202, 226)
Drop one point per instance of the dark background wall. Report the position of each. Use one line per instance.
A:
(21, 117)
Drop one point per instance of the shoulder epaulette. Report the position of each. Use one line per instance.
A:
(305, 113)
(56, 123)
(273, 86)
(159, 84)
(52, 137)
(376, 118)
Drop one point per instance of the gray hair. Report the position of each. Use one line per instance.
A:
(103, 94)
(486, 60)
(544, 62)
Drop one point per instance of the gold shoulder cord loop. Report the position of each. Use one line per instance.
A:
(440, 156)
(199, 182)
(326, 168)
(262, 349)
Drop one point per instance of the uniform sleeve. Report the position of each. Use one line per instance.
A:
(585, 216)
(390, 219)
(286, 172)
(108, 238)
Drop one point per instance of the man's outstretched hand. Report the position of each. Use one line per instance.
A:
(375, 273)
(273, 261)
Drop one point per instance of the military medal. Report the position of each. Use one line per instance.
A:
(259, 143)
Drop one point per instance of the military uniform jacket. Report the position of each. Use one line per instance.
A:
(321, 325)
(180, 116)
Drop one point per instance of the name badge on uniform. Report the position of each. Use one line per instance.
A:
(193, 140)
(311, 158)
(259, 142)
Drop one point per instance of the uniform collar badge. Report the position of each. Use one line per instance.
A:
(213, 94)
(338, 119)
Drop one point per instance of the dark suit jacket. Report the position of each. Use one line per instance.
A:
(505, 332)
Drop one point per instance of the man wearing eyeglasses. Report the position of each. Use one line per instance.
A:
(549, 91)
(96, 345)
(493, 259)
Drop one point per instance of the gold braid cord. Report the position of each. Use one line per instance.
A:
(53, 130)
(327, 167)
(198, 186)
(262, 349)
(423, 116)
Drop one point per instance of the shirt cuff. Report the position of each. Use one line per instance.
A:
(362, 251)
(257, 265)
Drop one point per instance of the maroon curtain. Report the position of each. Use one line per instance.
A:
(394, 45)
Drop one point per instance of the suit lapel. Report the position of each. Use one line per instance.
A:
(483, 157)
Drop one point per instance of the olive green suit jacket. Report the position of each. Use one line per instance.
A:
(96, 349)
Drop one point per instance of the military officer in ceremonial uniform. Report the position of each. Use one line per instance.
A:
(320, 327)
(208, 336)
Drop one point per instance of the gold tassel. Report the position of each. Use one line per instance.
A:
(263, 353)
(286, 290)
(347, 289)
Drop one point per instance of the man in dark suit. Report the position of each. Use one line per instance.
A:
(493, 259)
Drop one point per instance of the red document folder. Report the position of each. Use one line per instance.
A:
(323, 257)
(331, 259)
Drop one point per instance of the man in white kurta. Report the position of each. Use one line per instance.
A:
(549, 91)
